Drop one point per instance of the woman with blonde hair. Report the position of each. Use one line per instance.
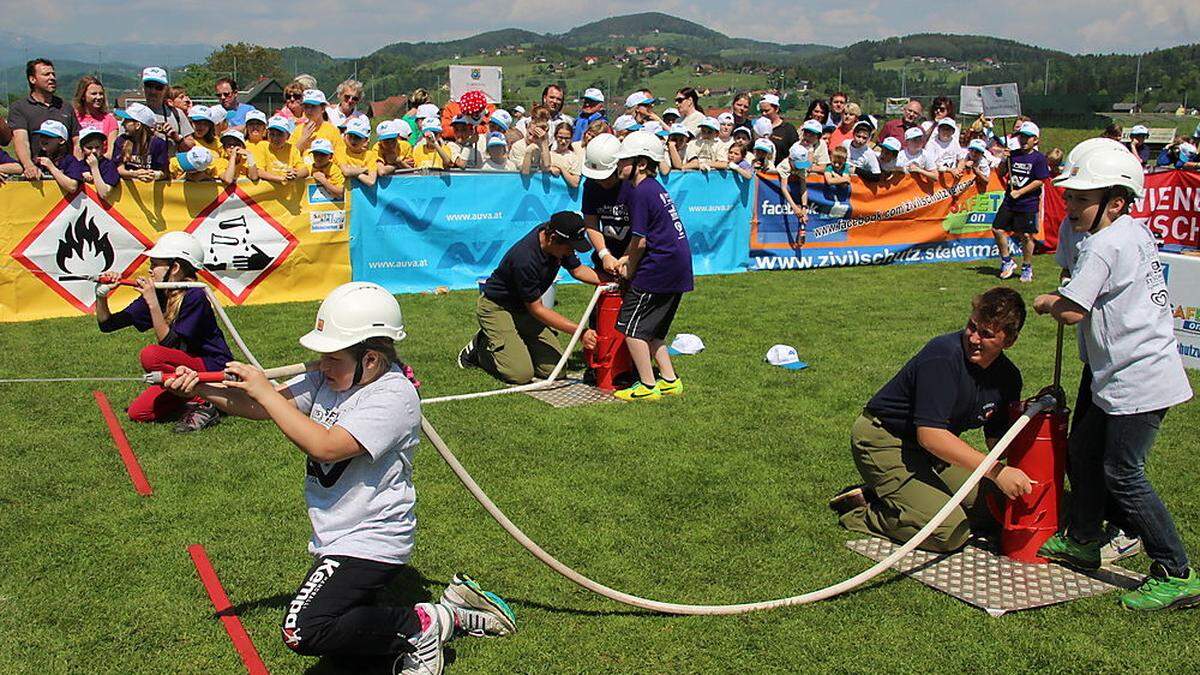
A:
(293, 102)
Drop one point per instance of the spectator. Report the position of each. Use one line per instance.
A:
(497, 153)
(625, 125)
(913, 158)
(737, 162)
(139, 152)
(1137, 143)
(670, 116)
(1112, 131)
(345, 102)
(198, 165)
(839, 170)
(8, 166)
(818, 150)
(943, 148)
(725, 133)
(95, 170)
(518, 113)
(235, 110)
(910, 117)
(1018, 213)
(469, 155)
(591, 109)
(256, 128)
(178, 98)
(392, 146)
(640, 106)
(293, 102)
(357, 160)
(889, 151)
(535, 135)
(278, 161)
(818, 110)
(205, 121)
(978, 163)
(315, 123)
(1054, 160)
(763, 156)
(837, 108)
(845, 128)
(861, 157)
(706, 152)
(91, 109)
(740, 109)
(325, 171)
(5, 133)
(563, 160)
(690, 112)
(552, 100)
(940, 108)
(678, 138)
(594, 129)
(53, 152)
(431, 151)
(171, 125)
(306, 81)
(783, 134)
(241, 162)
(25, 116)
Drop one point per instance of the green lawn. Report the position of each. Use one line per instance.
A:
(716, 497)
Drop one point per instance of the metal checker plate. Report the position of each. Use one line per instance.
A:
(994, 583)
(570, 393)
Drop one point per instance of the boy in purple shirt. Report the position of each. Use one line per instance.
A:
(1018, 213)
(94, 169)
(658, 265)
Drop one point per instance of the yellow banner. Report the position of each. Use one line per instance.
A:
(263, 243)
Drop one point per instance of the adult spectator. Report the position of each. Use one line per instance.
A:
(25, 116)
(235, 110)
(552, 99)
(1138, 135)
(910, 116)
(293, 101)
(171, 125)
(591, 109)
(178, 98)
(740, 109)
(91, 109)
(818, 110)
(412, 117)
(845, 129)
(345, 103)
(940, 108)
(783, 134)
(1112, 131)
(687, 100)
(837, 107)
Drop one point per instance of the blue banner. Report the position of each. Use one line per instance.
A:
(414, 233)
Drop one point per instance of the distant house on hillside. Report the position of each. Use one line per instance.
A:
(591, 60)
(266, 94)
(1126, 108)
(389, 108)
(1171, 107)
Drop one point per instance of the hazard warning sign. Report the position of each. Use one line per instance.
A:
(242, 243)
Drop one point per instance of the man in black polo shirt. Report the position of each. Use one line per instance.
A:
(26, 116)
(516, 338)
(906, 442)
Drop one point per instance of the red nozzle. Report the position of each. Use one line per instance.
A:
(163, 378)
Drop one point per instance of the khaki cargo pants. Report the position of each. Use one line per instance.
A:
(910, 486)
(514, 346)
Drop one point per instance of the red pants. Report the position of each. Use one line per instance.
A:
(155, 403)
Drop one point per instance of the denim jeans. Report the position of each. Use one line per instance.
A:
(1108, 459)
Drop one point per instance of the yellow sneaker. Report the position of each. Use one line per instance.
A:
(670, 388)
(638, 392)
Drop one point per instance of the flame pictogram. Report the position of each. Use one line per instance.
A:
(82, 248)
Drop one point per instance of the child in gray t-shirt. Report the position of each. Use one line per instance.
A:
(1118, 296)
(357, 418)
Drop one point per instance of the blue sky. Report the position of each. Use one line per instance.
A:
(356, 28)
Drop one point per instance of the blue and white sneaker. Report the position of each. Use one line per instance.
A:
(427, 657)
(479, 613)
(1007, 267)
(1119, 547)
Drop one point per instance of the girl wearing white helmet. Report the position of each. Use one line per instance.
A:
(1118, 295)
(185, 330)
(357, 419)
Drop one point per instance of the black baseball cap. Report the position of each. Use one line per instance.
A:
(569, 226)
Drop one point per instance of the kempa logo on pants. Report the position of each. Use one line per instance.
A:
(291, 634)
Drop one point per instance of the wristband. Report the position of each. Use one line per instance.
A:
(603, 253)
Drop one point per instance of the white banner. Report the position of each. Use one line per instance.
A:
(1183, 287)
(970, 100)
(992, 100)
(487, 79)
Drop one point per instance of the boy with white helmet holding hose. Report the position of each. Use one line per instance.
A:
(357, 420)
(1118, 295)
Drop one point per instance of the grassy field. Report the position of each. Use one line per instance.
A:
(716, 497)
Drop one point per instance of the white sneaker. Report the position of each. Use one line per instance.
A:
(1119, 547)
(427, 659)
(479, 613)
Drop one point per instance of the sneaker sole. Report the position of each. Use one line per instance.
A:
(467, 593)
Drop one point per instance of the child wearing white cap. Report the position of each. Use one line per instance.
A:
(198, 165)
(913, 159)
(235, 152)
(315, 123)
(706, 152)
(52, 142)
(1018, 213)
(392, 148)
(277, 160)
(431, 151)
(140, 154)
(944, 150)
(356, 159)
(325, 171)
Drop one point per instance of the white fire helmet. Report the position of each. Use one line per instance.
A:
(641, 144)
(600, 156)
(1104, 166)
(352, 313)
(1086, 146)
(179, 245)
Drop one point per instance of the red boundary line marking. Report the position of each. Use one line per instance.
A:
(122, 442)
(233, 626)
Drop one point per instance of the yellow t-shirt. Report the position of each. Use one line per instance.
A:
(333, 173)
(213, 172)
(326, 131)
(277, 161)
(214, 147)
(427, 157)
(403, 150)
(367, 158)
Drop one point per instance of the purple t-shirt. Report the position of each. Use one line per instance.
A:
(194, 331)
(1026, 167)
(666, 266)
(155, 157)
(5, 159)
(108, 170)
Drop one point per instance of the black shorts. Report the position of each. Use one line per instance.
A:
(647, 316)
(1015, 221)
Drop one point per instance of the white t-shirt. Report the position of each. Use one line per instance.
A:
(1065, 256)
(944, 156)
(710, 150)
(505, 164)
(692, 122)
(363, 506)
(862, 157)
(905, 159)
(522, 124)
(1130, 336)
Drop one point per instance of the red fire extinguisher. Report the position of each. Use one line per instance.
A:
(1040, 451)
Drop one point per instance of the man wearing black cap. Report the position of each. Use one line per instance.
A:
(517, 338)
